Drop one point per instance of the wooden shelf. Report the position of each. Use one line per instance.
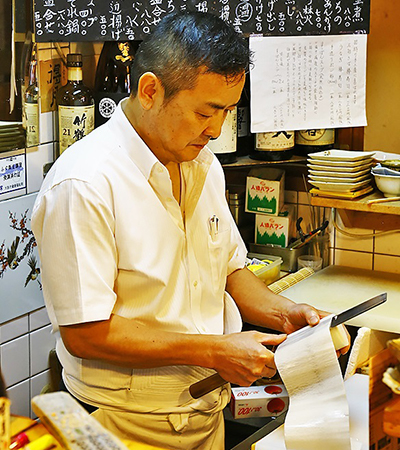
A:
(357, 213)
(359, 204)
(246, 161)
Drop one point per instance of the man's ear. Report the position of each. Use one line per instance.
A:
(149, 90)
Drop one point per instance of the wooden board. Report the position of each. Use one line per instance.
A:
(337, 288)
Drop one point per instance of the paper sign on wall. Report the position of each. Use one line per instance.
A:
(308, 82)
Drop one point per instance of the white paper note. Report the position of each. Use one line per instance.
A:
(308, 82)
(318, 415)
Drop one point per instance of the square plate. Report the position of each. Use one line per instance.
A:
(346, 168)
(341, 174)
(341, 187)
(341, 155)
(340, 180)
(330, 164)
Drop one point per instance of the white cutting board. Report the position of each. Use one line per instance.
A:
(337, 288)
(357, 396)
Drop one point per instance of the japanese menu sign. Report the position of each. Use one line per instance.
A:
(107, 20)
(310, 82)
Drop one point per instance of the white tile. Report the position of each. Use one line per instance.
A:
(358, 242)
(388, 244)
(36, 158)
(14, 328)
(15, 360)
(47, 130)
(304, 198)
(305, 212)
(20, 399)
(38, 319)
(41, 342)
(385, 263)
(44, 53)
(43, 45)
(39, 385)
(290, 196)
(360, 260)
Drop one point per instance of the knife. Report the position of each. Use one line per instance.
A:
(215, 381)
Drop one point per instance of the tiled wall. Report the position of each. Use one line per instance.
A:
(25, 344)
(374, 252)
(26, 341)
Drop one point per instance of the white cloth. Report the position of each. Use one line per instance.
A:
(112, 239)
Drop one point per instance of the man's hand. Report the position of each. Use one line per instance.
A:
(301, 314)
(243, 358)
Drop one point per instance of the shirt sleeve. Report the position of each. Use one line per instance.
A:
(74, 229)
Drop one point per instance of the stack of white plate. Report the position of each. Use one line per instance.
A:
(340, 170)
(12, 135)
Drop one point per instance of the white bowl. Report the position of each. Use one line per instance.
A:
(389, 185)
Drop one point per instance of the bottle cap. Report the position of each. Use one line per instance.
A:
(74, 60)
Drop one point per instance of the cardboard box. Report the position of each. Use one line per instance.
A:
(276, 230)
(259, 401)
(265, 191)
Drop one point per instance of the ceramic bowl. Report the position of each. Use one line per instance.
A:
(389, 185)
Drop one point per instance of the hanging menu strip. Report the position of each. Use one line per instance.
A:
(114, 20)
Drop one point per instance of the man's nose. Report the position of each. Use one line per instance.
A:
(214, 127)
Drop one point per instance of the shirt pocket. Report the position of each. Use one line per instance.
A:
(218, 249)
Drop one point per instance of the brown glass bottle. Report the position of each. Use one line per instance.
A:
(273, 146)
(314, 140)
(245, 139)
(113, 77)
(31, 105)
(75, 106)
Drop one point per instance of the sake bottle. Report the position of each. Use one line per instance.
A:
(315, 140)
(113, 77)
(224, 147)
(30, 104)
(75, 106)
(273, 146)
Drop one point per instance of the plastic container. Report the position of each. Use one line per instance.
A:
(270, 272)
(288, 255)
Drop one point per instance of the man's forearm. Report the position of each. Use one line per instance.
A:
(258, 305)
(124, 342)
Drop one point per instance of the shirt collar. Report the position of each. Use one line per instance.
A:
(137, 149)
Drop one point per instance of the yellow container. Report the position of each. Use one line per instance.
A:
(267, 273)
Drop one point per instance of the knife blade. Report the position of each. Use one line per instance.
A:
(212, 382)
(358, 309)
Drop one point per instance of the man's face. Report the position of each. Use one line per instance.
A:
(182, 126)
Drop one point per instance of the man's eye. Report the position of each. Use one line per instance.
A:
(204, 116)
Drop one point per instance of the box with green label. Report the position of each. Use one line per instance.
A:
(275, 230)
(265, 191)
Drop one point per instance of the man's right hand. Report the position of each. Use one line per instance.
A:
(243, 358)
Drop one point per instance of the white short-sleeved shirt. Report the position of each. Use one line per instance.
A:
(112, 239)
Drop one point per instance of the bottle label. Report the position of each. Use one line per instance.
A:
(315, 137)
(243, 121)
(75, 122)
(74, 73)
(226, 142)
(275, 140)
(32, 123)
(106, 104)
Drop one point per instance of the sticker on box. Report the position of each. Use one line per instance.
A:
(275, 230)
(259, 401)
(265, 191)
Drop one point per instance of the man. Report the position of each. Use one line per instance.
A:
(142, 264)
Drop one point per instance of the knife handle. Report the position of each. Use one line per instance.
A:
(207, 385)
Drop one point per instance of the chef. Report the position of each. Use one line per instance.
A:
(142, 264)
